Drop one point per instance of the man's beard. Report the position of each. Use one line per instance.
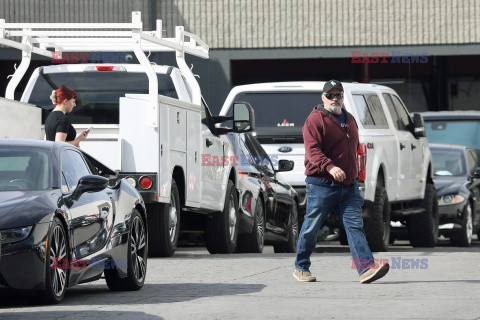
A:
(337, 109)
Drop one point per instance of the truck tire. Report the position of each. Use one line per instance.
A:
(423, 228)
(377, 225)
(222, 227)
(253, 242)
(463, 238)
(292, 234)
(164, 225)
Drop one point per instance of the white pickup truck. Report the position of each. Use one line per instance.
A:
(149, 122)
(394, 158)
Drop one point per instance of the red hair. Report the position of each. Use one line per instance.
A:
(62, 94)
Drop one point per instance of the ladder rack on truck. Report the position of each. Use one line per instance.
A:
(52, 39)
(155, 138)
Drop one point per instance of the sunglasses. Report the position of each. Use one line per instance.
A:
(330, 96)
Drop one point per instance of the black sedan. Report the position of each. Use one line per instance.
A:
(268, 206)
(61, 224)
(457, 179)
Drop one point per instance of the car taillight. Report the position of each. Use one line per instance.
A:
(104, 68)
(362, 162)
(146, 183)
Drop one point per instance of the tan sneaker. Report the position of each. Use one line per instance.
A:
(374, 273)
(304, 276)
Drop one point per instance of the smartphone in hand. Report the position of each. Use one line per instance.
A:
(88, 130)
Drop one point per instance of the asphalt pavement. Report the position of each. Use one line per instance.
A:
(439, 283)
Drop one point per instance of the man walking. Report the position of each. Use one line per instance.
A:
(331, 142)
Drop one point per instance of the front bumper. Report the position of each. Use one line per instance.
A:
(22, 264)
(451, 216)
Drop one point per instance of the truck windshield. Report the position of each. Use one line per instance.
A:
(454, 132)
(98, 93)
(280, 114)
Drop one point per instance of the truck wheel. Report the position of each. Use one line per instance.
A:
(292, 234)
(222, 227)
(463, 238)
(164, 225)
(253, 242)
(377, 225)
(423, 228)
(136, 259)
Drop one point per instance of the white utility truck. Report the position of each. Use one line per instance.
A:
(148, 121)
(394, 159)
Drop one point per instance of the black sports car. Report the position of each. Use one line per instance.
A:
(61, 224)
(457, 179)
(268, 206)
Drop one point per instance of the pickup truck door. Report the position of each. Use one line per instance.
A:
(410, 150)
(212, 151)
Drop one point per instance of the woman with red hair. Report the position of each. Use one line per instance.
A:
(57, 125)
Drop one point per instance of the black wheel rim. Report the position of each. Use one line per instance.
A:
(294, 224)
(138, 249)
(260, 226)
(58, 257)
(469, 224)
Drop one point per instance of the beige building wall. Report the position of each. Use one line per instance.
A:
(238, 24)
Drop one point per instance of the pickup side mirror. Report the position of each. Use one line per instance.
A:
(476, 173)
(285, 165)
(418, 126)
(90, 183)
(243, 117)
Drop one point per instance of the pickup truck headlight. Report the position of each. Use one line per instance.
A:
(15, 235)
(450, 199)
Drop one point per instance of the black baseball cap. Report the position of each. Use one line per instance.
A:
(330, 84)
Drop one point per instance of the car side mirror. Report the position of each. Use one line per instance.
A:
(418, 125)
(90, 183)
(243, 117)
(476, 173)
(285, 165)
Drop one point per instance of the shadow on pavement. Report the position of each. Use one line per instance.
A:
(99, 294)
(91, 314)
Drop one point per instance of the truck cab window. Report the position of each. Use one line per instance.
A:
(99, 93)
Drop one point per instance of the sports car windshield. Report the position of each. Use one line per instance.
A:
(23, 169)
(448, 163)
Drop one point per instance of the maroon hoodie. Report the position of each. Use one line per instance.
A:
(328, 145)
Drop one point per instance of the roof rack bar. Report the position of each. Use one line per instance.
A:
(72, 33)
(70, 25)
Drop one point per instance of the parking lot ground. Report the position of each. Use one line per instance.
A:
(445, 284)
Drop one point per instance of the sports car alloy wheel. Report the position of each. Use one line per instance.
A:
(137, 249)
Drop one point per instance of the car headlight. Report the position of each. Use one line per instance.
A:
(15, 235)
(450, 199)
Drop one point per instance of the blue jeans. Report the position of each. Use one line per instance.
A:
(347, 203)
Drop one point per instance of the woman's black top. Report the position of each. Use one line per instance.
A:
(57, 121)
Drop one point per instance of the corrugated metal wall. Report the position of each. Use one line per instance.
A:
(278, 23)
(331, 23)
(72, 10)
